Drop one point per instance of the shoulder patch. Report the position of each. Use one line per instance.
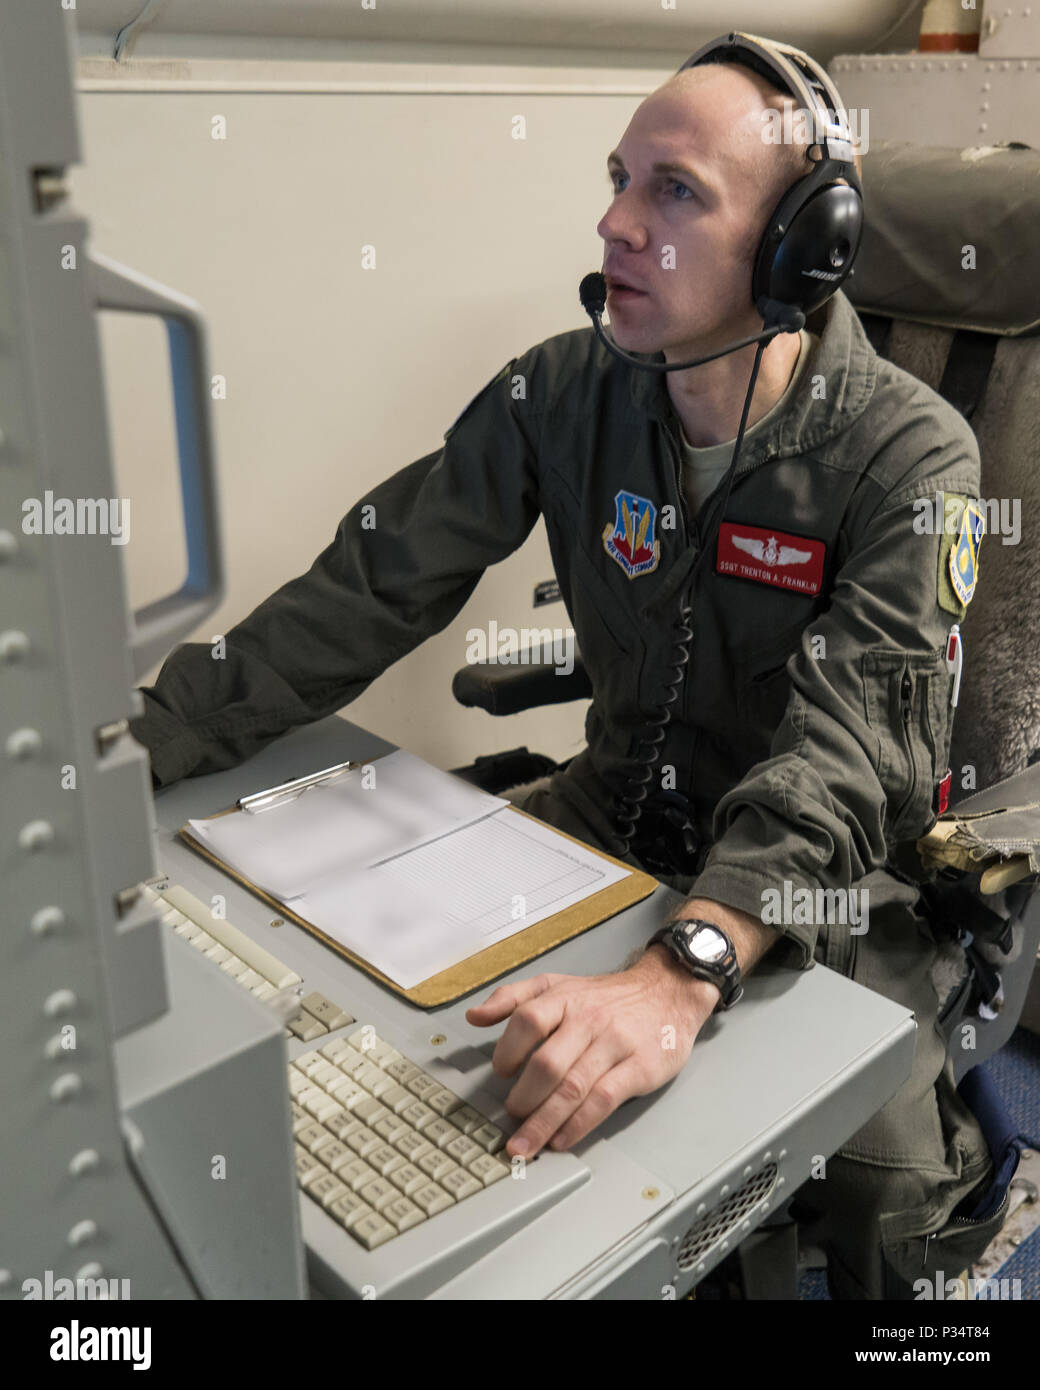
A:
(959, 556)
(480, 394)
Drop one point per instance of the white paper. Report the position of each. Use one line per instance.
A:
(435, 906)
(344, 825)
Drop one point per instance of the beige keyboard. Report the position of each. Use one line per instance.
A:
(380, 1144)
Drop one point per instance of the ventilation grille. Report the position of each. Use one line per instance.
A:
(713, 1226)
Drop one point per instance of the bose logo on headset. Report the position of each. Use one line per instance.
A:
(814, 232)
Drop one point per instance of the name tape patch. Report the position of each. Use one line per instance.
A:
(771, 557)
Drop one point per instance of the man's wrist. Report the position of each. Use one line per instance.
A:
(703, 996)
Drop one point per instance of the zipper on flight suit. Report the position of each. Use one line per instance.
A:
(906, 698)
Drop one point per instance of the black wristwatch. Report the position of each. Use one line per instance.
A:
(707, 952)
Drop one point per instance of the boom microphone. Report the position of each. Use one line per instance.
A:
(777, 317)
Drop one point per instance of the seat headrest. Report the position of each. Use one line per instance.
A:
(925, 207)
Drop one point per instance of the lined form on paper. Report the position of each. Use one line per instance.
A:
(433, 907)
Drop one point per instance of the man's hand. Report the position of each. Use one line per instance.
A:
(590, 1043)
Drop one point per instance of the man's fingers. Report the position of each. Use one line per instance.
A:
(613, 1089)
(501, 1002)
(548, 1064)
(574, 1093)
(532, 1022)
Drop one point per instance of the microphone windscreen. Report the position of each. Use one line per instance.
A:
(593, 293)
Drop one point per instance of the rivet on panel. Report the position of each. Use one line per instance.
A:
(66, 1086)
(23, 743)
(82, 1232)
(62, 1001)
(8, 545)
(701, 1208)
(37, 835)
(90, 1271)
(13, 645)
(47, 919)
(86, 1161)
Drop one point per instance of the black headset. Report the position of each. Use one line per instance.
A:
(814, 232)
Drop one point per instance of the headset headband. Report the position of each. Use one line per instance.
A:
(801, 76)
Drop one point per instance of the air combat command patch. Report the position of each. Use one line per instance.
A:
(959, 559)
(630, 538)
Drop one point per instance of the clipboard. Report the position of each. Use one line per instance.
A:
(480, 969)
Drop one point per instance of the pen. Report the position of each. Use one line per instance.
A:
(955, 661)
(263, 800)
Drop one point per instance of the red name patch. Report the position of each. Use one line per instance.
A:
(770, 557)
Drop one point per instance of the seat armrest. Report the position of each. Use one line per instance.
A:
(499, 688)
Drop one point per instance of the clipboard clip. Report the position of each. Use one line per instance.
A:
(289, 791)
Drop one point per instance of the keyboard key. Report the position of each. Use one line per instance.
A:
(328, 1191)
(309, 1062)
(314, 1137)
(401, 1071)
(234, 967)
(407, 1178)
(218, 954)
(412, 1145)
(435, 1164)
(306, 1164)
(315, 1176)
(489, 1137)
(372, 1231)
(203, 942)
(264, 991)
(463, 1150)
(318, 1104)
(335, 1155)
(349, 1210)
(390, 1127)
(307, 1028)
(403, 1214)
(250, 979)
(423, 1085)
(418, 1115)
(298, 1083)
(357, 1174)
(272, 969)
(347, 1092)
(300, 1118)
(324, 1073)
(432, 1198)
(382, 1084)
(342, 1125)
(467, 1119)
(378, 1193)
(441, 1132)
(384, 1160)
(369, 1109)
(443, 1101)
(397, 1099)
(488, 1169)
(325, 1011)
(335, 1050)
(363, 1141)
(461, 1184)
(368, 1075)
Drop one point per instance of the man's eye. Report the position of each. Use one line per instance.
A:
(685, 192)
(614, 180)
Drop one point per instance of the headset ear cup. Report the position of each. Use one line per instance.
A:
(812, 257)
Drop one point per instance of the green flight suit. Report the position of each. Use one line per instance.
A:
(814, 722)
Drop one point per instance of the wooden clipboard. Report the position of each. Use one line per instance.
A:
(487, 965)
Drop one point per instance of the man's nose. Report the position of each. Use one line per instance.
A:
(622, 222)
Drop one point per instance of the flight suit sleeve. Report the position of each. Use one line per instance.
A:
(855, 763)
(403, 562)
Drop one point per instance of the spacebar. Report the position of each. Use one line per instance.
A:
(234, 940)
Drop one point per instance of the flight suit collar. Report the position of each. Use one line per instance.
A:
(843, 358)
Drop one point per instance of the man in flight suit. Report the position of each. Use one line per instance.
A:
(813, 726)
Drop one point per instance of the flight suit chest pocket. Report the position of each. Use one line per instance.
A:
(762, 685)
(907, 706)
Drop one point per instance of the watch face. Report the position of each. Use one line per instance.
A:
(707, 945)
